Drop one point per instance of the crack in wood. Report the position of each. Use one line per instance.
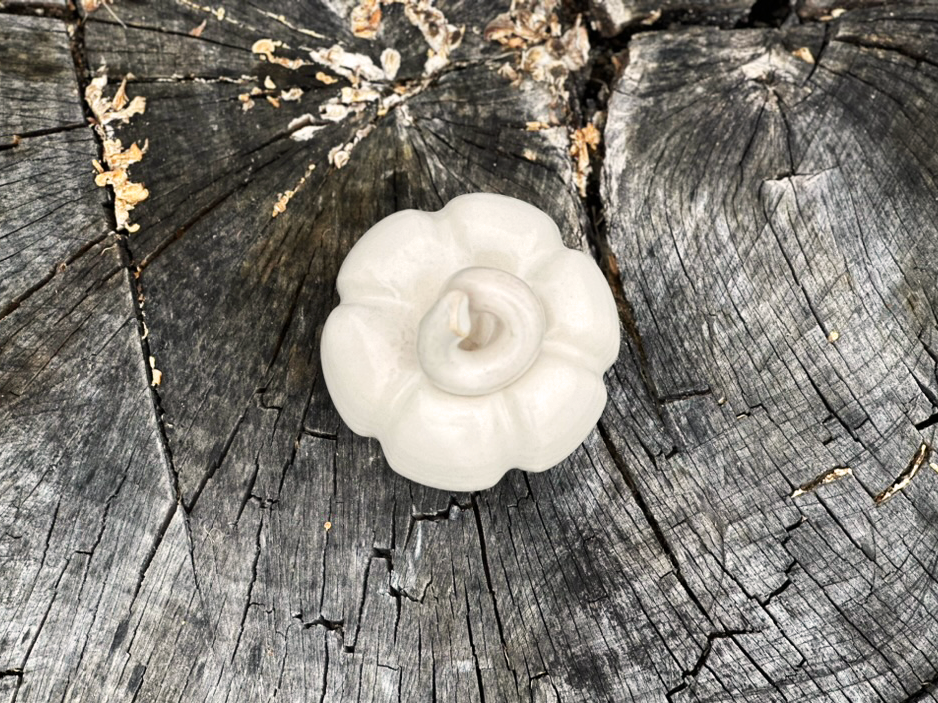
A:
(869, 43)
(58, 268)
(829, 476)
(248, 603)
(487, 572)
(472, 647)
(20, 136)
(650, 518)
(919, 459)
(690, 674)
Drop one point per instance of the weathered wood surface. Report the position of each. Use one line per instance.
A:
(610, 17)
(768, 225)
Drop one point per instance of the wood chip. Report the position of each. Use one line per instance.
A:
(366, 19)
(804, 53)
(584, 140)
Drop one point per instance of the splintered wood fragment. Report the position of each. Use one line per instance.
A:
(804, 53)
(366, 19)
(546, 53)
(267, 47)
(157, 374)
(905, 478)
(829, 476)
(583, 141)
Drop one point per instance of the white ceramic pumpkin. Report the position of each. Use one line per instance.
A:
(470, 341)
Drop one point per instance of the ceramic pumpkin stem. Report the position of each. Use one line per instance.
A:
(482, 334)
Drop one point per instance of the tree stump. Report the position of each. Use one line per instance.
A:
(184, 517)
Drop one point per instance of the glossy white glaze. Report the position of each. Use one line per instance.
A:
(470, 341)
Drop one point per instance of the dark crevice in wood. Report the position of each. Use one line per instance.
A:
(472, 647)
(82, 76)
(58, 268)
(39, 9)
(927, 690)
(867, 43)
(288, 320)
(17, 138)
(107, 506)
(325, 673)
(249, 490)
(442, 514)
(831, 412)
(610, 267)
(487, 572)
(48, 540)
(163, 30)
(331, 436)
(650, 518)
(207, 476)
(247, 601)
(178, 234)
(592, 99)
(678, 396)
(35, 636)
(768, 13)
(796, 279)
(780, 590)
(151, 553)
(825, 42)
(330, 625)
(701, 662)
(438, 515)
(789, 529)
(138, 298)
(929, 421)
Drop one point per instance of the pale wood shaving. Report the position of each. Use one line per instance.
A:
(284, 198)
(267, 47)
(584, 140)
(366, 19)
(127, 194)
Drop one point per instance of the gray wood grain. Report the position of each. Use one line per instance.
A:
(39, 91)
(222, 536)
(84, 482)
(772, 227)
(50, 210)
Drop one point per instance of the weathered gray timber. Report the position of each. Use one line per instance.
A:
(184, 517)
